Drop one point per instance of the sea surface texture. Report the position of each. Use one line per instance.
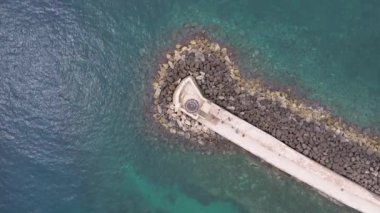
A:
(75, 89)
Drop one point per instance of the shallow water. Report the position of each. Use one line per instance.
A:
(75, 80)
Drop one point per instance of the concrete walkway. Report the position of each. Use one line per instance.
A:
(188, 99)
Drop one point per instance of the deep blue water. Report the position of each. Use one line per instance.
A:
(75, 80)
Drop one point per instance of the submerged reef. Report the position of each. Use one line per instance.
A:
(312, 131)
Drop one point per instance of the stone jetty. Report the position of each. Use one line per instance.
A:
(311, 131)
(189, 100)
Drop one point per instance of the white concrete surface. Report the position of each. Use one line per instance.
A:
(274, 151)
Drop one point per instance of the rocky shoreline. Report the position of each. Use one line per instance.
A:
(310, 131)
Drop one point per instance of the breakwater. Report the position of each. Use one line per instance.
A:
(309, 130)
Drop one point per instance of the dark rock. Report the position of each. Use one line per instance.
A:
(307, 137)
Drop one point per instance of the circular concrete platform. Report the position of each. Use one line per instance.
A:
(192, 106)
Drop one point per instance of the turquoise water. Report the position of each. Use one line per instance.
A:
(75, 133)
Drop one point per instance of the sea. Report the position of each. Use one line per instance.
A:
(76, 133)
